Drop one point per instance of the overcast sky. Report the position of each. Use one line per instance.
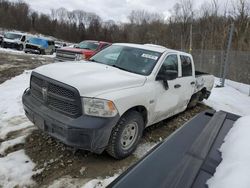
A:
(117, 10)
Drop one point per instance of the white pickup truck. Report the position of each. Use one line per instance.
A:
(106, 103)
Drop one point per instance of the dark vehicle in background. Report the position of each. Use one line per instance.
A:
(1, 39)
(14, 40)
(37, 45)
(83, 50)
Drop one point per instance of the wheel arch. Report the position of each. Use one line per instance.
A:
(142, 110)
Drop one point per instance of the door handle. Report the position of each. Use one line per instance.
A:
(192, 83)
(177, 86)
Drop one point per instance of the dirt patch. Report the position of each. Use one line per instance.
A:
(14, 64)
(57, 160)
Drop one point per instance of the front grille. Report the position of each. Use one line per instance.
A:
(55, 95)
(63, 55)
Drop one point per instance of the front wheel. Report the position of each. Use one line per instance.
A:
(20, 47)
(126, 135)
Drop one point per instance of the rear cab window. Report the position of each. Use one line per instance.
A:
(186, 65)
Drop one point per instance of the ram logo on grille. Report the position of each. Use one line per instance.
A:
(45, 93)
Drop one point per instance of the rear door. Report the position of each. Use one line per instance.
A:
(187, 78)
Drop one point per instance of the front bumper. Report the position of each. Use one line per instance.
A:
(85, 132)
(33, 51)
(10, 45)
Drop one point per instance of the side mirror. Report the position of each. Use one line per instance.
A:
(167, 75)
(171, 74)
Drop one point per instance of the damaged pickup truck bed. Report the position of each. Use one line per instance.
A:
(187, 159)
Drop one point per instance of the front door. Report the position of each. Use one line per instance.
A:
(171, 100)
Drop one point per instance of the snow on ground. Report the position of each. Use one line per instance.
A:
(234, 170)
(69, 182)
(10, 143)
(143, 149)
(16, 170)
(16, 167)
(11, 51)
(17, 52)
(100, 183)
(231, 98)
(11, 96)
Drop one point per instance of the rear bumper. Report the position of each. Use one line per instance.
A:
(85, 132)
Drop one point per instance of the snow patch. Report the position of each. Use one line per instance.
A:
(11, 96)
(230, 98)
(11, 51)
(7, 127)
(10, 143)
(16, 170)
(234, 169)
(143, 149)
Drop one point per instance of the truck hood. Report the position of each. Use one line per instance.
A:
(91, 79)
(76, 50)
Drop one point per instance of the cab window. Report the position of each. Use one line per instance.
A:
(186, 66)
(169, 64)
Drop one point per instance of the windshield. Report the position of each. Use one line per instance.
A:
(88, 45)
(12, 36)
(39, 41)
(130, 59)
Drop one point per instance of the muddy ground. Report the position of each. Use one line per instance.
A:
(12, 64)
(54, 159)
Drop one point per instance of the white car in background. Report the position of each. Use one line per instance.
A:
(14, 40)
(106, 103)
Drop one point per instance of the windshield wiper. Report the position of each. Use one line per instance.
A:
(92, 60)
(120, 68)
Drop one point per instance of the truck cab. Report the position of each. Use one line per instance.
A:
(106, 103)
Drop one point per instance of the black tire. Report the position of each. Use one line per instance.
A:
(115, 147)
(20, 47)
(194, 100)
(42, 52)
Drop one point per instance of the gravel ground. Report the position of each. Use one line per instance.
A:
(54, 159)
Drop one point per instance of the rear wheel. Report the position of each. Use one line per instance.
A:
(42, 52)
(126, 135)
(194, 99)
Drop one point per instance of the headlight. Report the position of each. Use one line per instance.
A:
(79, 57)
(99, 107)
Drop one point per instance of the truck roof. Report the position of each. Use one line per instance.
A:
(151, 47)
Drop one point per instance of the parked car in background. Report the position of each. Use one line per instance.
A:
(15, 40)
(1, 39)
(59, 44)
(83, 50)
(38, 45)
(106, 103)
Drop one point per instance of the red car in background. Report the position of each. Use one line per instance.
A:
(81, 51)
